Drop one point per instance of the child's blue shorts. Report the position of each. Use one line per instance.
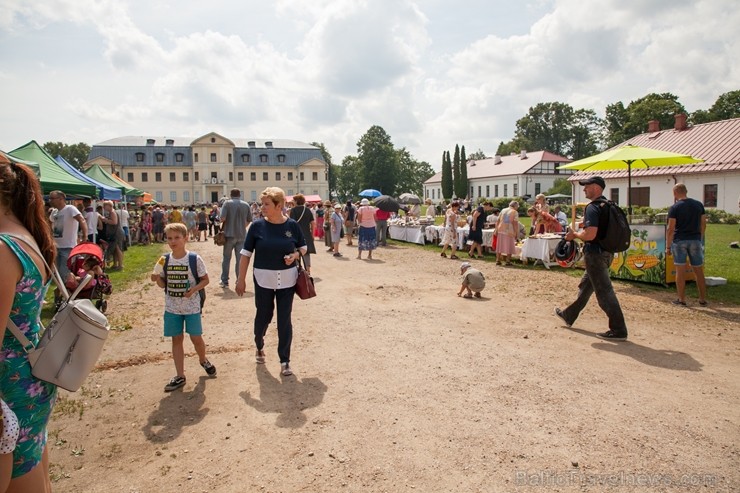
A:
(174, 324)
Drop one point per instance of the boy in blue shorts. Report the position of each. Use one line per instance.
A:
(182, 300)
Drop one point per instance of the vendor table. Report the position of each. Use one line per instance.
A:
(540, 249)
(411, 234)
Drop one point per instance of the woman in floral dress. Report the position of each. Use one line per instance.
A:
(23, 285)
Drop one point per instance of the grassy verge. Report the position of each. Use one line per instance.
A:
(138, 261)
(720, 261)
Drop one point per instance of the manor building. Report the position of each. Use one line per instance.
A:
(184, 171)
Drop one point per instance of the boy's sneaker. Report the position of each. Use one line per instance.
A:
(561, 316)
(610, 335)
(175, 383)
(209, 368)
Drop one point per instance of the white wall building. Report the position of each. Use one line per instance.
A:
(517, 175)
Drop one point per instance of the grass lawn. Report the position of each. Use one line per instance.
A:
(720, 261)
(138, 261)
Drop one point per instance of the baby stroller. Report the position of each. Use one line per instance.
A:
(87, 257)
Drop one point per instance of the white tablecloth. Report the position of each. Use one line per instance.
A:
(540, 249)
(411, 234)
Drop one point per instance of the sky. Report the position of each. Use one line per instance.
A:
(432, 73)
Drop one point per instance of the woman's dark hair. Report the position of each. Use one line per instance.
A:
(20, 192)
(299, 199)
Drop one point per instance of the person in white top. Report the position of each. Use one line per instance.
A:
(67, 221)
(123, 218)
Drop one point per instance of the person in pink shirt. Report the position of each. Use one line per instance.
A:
(365, 218)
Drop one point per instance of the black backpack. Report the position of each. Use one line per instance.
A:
(614, 234)
(193, 262)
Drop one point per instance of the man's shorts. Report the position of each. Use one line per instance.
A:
(174, 324)
(349, 227)
(693, 249)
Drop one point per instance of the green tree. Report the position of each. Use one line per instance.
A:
(561, 185)
(635, 118)
(558, 128)
(456, 173)
(349, 178)
(447, 181)
(477, 155)
(330, 168)
(725, 107)
(412, 173)
(463, 172)
(378, 161)
(75, 154)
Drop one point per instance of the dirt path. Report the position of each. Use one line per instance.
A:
(402, 386)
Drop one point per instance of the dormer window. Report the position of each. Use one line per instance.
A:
(281, 158)
(263, 158)
(139, 157)
(245, 158)
(213, 140)
(179, 157)
(160, 157)
(150, 142)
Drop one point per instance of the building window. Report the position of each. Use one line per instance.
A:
(160, 157)
(245, 158)
(214, 174)
(281, 158)
(196, 176)
(264, 176)
(145, 176)
(129, 177)
(253, 176)
(231, 176)
(196, 196)
(277, 176)
(173, 196)
(195, 157)
(290, 191)
(315, 176)
(179, 157)
(229, 157)
(139, 157)
(263, 158)
(495, 190)
(158, 197)
(537, 188)
(157, 176)
(185, 176)
(240, 175)
(290, 176)
(213, 157)
(516, 189)
(710, 195)
(479, 190)
(641, 196)
(253, 195)
(488, 191)
(506, 191)
(470, 193)
(300, 176)
(173, 178)
(186, 196)
(614, 195)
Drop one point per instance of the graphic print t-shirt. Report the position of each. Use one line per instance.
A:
(179, 280)
(66, 226)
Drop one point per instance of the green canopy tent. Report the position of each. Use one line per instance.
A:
(7, 158)
(99, 174)
(51, 175)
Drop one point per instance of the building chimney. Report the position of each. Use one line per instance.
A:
(653, 126)
(680, 122)
(496, 159)
(523, 154)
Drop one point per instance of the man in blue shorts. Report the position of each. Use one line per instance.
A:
(687, 222)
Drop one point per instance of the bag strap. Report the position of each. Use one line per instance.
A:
(193, 261)
(27, 345)
(302, 213)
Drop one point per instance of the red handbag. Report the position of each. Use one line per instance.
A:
(304, 287)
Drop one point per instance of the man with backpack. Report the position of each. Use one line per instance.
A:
(596, 278)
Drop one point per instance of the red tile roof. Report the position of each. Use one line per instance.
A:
(717, 143)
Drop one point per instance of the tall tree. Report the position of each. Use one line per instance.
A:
(477, 155)
(412, 173)
(75, 154)
(727, 106)
(330, 168)
(635, 118)
(447, 181)
(456, 172)
(463, 172)
(586, 134)
(378, 161)
(349, 178)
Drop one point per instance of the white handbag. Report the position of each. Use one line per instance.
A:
(72, 342)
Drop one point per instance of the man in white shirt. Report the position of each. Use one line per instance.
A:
(561, 217)
(66, 222)
(91, 219)
(123, 217)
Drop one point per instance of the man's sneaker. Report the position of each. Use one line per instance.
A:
(222, 284)
(285, 370)
(559, 313)
(175, 383)
(209, 368)
(611, 336)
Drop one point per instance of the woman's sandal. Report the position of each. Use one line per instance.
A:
(259, 356)
(454, 257)
(443, 254)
